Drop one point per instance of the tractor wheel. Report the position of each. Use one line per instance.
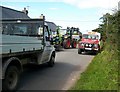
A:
(66, 44)
(74, 44)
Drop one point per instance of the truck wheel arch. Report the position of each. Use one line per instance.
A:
(53, 53)
(11, 61)
(52, 60)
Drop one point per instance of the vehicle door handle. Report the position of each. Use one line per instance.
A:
(48, 46)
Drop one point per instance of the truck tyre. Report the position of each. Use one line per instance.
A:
(11, 79)
(52, 61)
(79, 51)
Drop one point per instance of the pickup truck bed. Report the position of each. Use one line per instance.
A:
(13, 44)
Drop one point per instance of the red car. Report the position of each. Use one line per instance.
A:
(89, 42)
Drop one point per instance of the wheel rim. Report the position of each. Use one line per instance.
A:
(68, 43)
(12, 79)
(74, 44)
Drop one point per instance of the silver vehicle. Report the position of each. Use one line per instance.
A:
(24, 41)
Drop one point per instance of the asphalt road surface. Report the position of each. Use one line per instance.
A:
(69, 64)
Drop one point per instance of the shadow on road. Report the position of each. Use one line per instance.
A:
(89, 53)
(74, 50)
(45, 78)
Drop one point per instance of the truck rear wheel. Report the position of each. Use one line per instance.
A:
(52, 61)
(11, 79)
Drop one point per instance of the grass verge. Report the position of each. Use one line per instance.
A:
(102, 73)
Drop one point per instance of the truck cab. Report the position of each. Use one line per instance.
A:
(24, 41)
(90, 42)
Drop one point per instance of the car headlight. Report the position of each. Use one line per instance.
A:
(65, 37)
(96, 45)
(82, 44)
(87, 45)
(90, 45)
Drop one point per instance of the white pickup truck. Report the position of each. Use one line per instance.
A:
(24, 41)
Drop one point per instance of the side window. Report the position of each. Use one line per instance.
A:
(33, 29)
(7, 29)
(14, 29)
(20, 29)
(4, 29)
(46, 34)
(97, 37)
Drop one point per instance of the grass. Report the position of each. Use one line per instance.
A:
(102, 73)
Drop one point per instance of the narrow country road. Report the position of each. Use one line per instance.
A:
(69, 64)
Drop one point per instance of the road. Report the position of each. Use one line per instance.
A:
(62, 76)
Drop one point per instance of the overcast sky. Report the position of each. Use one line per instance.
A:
(84, 14)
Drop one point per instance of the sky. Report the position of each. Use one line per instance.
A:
(84, 14)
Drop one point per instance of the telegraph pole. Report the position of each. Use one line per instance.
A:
(119, 6)
(107, 28)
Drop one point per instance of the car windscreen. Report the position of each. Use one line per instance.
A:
(90, 36)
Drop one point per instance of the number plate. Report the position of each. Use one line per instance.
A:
(88, 48)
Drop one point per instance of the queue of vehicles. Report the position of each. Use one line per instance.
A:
(25, 41)
(35, 41)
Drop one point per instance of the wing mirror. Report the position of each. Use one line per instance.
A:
(40, 33)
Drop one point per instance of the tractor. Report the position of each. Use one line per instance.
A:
(71, 38)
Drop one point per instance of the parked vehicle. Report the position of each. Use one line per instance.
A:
(24, 41)
(90, 42)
